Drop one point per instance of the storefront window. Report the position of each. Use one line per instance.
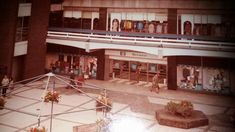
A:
(205, 79)
(189, 77)
(66, 64)
(216, 80)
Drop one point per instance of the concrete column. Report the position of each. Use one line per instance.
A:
(106, 68)
(35, 58)
(172, 21)
(100, 64)
(8, 22)
(102, 18)
(172, 73)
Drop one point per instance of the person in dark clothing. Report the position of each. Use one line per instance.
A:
(91, 66)
(72, 80)
(138, 70)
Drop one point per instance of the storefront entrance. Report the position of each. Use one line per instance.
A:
(138, 71)
(80, 65)
(136, 66)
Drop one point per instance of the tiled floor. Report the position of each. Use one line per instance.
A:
(133, 108)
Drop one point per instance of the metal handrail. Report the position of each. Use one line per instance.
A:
(144, 41)
(138, 34)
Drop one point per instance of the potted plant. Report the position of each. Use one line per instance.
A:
(184, 108)
(52, 96)
(38, 129)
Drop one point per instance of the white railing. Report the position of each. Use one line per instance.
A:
(144, 41)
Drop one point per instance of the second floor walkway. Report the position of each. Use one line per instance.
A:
(157, 44)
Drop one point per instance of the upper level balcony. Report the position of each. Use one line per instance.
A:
(157, 44)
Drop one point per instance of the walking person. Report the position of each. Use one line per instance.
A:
(138, 70)
(72, 80)
(155, 86)
(5, 83)
(86, 75)
(11, 86)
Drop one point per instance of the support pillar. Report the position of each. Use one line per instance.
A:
(102, 18)
(172, 73)
(100, 64)
(36, 54)
(172, 21)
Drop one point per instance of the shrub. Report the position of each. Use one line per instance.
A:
(184, 108)
(52, 96)
(37, 129)
(171, 107)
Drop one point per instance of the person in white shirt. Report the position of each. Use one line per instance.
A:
(5, 83)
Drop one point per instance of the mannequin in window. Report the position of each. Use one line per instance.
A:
(151, 28)
(115, 25)
(159, 28)
(138, 70)
(187, 28)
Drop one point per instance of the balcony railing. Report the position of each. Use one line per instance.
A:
(144, 39)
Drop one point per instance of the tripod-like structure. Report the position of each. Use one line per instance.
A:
(50, 83)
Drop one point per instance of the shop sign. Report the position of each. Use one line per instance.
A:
(130, 54)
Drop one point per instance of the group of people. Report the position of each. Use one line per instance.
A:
(7, 83)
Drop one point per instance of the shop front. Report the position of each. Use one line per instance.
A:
(136, 66)
(80, 65)
(205, 74)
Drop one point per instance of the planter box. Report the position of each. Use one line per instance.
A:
(197, 119)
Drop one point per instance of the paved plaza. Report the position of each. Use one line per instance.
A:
(133, 108)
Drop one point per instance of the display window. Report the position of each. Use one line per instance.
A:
(137, 71)
(216, 80)
(207, 79)
(189, 77)
(141, 26)
(78, 64)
